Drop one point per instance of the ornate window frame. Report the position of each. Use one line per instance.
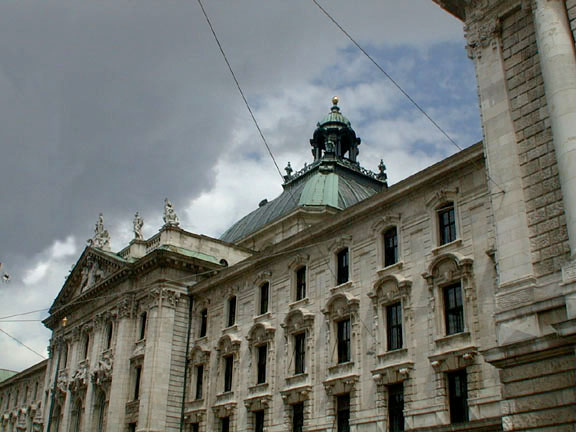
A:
(198, 356)
(434, 204)
(447, 269)
(298, 321)
(261, 333)
(344, 242)
(228, 345)
(341, 306)
(262, 278)
(301, 261)
(378, 229)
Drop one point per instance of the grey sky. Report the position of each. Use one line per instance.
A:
(110, 106)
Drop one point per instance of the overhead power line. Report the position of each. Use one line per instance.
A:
(23, 344)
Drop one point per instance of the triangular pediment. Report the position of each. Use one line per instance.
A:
(93, 268)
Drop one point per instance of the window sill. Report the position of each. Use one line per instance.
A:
(258, 388)
(341, 368)
(296, 380)
(263, 317)
(396, 266)
(391, 357)
(453, 244)
(299, 303)
(230, 329)
(342, 287)
(453, 339)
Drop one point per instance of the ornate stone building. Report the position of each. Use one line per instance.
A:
(444, 302)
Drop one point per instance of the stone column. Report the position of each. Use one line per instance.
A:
(157, 361)
(556, 51)
(120, 385)
(502, 161)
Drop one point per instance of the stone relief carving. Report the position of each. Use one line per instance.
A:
(103, 372)
(91, 274)
(164, 296)
(79, 379)
(170, 216)
(126, 307)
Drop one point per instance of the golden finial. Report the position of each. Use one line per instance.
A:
(64, 321)
(335, 100)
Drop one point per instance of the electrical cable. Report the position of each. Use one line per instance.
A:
(397, 85)
(23, 344)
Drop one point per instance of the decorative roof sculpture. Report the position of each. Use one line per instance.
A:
(101, 238)
(170, 216)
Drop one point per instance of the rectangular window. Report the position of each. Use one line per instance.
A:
(225, 424)
(264, 292)
(258, 421)
(199, 381)
(343, 265)
(203, 322)
(137, 377)
(231, 311)
(447, 223)
(301, 283)
(298, 417)
(458, 396)
(228, 371)
(262, 357)
(299, 353)
(131, 427)
(396, 407)
(343, 341)
(143, 318)
(394, 326)
(343, 413)
(453, 309)
(194, 427)
(390, 246)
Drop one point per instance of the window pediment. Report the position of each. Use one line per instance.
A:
(341, 305)
(340, 385)
(442, 196)
(453, 360)
(295, 395)
(385, 222)
(198, 355)
(390, 288)
(262, 277)
(228, 344)
(299, 261)
(298, 320)
(447, 268)
(393, 373)
(261, 333)
(257, 403)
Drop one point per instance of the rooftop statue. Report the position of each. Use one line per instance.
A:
(170, 216)
(138, 223)
(101, 239)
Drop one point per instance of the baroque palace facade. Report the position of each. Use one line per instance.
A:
(445, 302)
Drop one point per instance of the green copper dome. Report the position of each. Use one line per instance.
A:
(334, 179)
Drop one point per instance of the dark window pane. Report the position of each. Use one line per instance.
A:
(447, 223)
(300, 353)
(394, 326)
(228, 370)
(225, 424)
(343, 266)
(264, 289)
(109, 333)
(138, 376)
(343, 413)
(297, 417)
(199, 381)
(396, 407)
(453, 309)
(231, 311)
(343, 340)
(259, 421)
(195, 427)
(203, 322)
(458, 396)
(390, 246)
(262, 357)
(143, 318)
(301, 283)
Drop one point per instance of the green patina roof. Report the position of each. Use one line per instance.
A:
(191, 253)
(337, 187)
(5, 374)
(321, 189)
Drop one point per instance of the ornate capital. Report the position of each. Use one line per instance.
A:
(126, 307)
(481, 35)
(164, 297)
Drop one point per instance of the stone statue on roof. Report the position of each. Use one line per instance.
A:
(101, 238)
(170, 216)
(138, 223)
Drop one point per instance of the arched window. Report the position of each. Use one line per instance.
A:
(301, 283)
(76, 419)
(264, 297)
(100, 412)
(342, 266)
(231, 311)
(203, 322)
(143, 322)
(390, 238)
(108, 335)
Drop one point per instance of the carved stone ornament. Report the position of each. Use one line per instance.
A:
(389, 289)
(258, 403)
(340, 306)
(228, 344)
(126, 307)
(91, 274)
(164, 297)
(199, 355)
(101, 238)
(62, 382)
(170, 216)
(79, 379)
(103, 372)
(298, 320)
(448, 268)
(340, 385)
(481, 35)
(296, 395)
(137, 224)
(261, 333)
